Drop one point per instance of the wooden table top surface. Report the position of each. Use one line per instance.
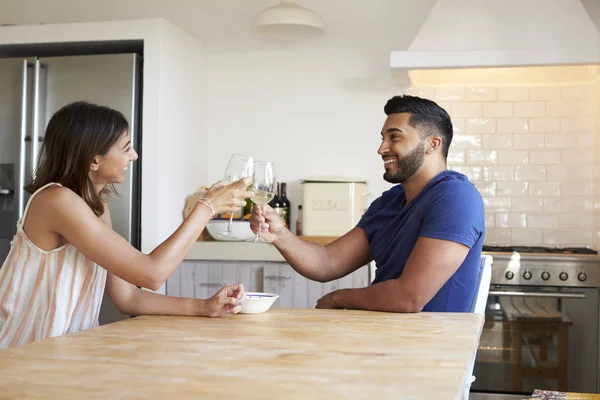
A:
(281, 354)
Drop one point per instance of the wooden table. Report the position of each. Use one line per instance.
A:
(282, 354)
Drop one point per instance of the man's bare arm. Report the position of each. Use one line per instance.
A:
(319, 263)
(325, 263)
(429, 266)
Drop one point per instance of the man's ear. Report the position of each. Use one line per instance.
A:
(435, 143)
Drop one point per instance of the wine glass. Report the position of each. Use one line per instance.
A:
(264, 186)
(239, 166)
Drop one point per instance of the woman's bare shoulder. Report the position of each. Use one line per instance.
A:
(57, 193)
(47, 212)
(59, 199)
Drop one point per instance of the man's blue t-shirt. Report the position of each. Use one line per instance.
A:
(448, 208)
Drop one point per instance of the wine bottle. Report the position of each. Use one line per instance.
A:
(275, 202)
(277, 205)
(247, 211)
(299, 221)
(285, 204)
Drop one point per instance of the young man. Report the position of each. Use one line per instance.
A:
(425, 234)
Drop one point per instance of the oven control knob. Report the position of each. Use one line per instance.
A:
(509, 275)
(582, 276)
(545, 275)
(527, 275)
(563, 276)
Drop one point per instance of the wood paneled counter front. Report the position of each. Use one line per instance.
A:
(282, 354)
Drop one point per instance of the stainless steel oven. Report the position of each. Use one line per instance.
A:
(541, 324)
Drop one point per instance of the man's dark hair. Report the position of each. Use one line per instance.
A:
(427, 117)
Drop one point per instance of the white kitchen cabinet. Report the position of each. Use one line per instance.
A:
(295, 291)
(201, 279)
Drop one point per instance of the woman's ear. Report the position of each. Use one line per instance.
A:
(95, 164)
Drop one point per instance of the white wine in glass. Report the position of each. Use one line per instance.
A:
(262, 196)
(239, 166)
(264, 186)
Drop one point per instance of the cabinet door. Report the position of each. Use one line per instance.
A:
(295, 291)
(211, 276)
(207, 279)
(247, 273)
(293, 288)
(203, 279)
(173, 286)
(181, 281)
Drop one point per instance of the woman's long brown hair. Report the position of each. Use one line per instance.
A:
(75, 135)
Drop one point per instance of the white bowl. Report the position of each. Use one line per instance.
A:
(257, 302)
(239, 229)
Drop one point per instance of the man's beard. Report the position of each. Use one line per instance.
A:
(407, 166)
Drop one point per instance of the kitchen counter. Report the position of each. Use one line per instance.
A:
(284, 353)
(244, 251)
(233, 251)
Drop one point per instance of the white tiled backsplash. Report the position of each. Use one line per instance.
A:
(530, 152)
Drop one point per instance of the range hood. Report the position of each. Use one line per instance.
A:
(500, 33)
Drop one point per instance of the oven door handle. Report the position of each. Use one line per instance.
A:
(556, 295)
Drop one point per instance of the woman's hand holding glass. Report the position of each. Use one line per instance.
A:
(239, 166)
(228, 198)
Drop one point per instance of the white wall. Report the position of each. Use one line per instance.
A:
(307, 109)
(182, 126)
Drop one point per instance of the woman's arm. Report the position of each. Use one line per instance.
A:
(131, 300)
(69, 216)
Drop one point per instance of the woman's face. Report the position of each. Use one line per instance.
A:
(112, 167)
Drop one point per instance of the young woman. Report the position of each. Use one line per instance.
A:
(65, 251)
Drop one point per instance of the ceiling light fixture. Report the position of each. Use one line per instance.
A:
(287, 20)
